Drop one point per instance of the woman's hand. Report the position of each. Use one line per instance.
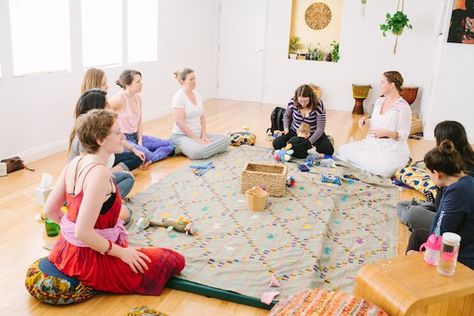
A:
(383, 133)
(135, 259)
(199, 140)
(285, 131)
(411, 252)
(138, 153)
(205, 139)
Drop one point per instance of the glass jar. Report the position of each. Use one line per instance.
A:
(449, 254)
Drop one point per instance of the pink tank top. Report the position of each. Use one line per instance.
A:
(128, 120)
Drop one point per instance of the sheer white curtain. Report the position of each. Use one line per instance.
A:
(142, 30)
(101, 32)
(40, 36)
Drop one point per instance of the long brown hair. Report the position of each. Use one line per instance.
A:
(92, 79)
(89, 100)
(455, 132)
(305, 91)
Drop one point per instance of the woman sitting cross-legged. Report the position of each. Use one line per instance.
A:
(385, 149)
(129, 159)
(96, 99)
(128, 104)
(455, 213)
(189, 133)
(305, 107)
(92, 246)
(420, 215)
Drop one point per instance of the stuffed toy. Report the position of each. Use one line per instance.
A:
(271, 136)
(283, 154)
(242, 138)
(182, 225)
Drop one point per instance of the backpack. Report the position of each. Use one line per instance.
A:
(276, 119)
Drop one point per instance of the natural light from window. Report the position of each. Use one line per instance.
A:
(40, 36)
(101, 32)
(142, 30)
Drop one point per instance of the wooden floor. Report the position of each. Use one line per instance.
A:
(22, 238)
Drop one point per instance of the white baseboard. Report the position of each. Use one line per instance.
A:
(43, 151)
(61, 145)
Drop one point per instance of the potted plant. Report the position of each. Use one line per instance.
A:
(294, 46)
(395, 23)
(335, 51)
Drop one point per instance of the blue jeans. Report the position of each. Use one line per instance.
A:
(124, 181)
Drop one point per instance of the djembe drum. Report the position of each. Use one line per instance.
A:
(409, 94)
(359, 93)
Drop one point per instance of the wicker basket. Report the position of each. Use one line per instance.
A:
(416, 124)
(271, 177)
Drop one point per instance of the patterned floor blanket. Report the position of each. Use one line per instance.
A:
(317, 236)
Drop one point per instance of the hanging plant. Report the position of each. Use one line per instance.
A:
(363, 2)
(396, 23)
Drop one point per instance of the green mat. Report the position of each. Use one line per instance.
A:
(209, 291)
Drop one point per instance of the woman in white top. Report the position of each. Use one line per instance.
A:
(189, 132)
(385, 148)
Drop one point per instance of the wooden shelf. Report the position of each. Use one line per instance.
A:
(406, 285)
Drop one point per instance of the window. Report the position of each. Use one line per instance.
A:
(142, 30)
(40, 36)
(101, 32)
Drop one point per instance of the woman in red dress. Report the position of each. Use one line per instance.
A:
(92, 246)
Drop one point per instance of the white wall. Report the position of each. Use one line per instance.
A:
(451, 94)
(365, 53)
(36, 110)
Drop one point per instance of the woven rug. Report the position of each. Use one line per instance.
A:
(317, 236)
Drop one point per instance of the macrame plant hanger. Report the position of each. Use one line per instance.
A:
(402, 2)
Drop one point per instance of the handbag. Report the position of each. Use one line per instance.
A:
(15, 163)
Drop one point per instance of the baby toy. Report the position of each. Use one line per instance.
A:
(290, 182)
(271, 136)
(331, 179)
(328, 163)
(182, 225)
(242, 138)
(283, 154)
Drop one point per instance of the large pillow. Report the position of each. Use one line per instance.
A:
(320, 302)
(49, 285)
(416, 177)
(242, 138)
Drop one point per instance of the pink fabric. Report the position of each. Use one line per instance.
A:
(128, 120)
(116, 234)
(267, 297)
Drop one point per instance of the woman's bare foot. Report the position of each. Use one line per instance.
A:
(146, 164)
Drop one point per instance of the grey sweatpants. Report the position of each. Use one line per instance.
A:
(416, 216)
(194, 150)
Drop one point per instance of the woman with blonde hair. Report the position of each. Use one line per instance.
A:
(189, 132)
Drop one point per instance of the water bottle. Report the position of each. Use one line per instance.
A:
(432, 249)
(449, 254)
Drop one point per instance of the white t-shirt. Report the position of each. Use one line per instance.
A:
(192, 113)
